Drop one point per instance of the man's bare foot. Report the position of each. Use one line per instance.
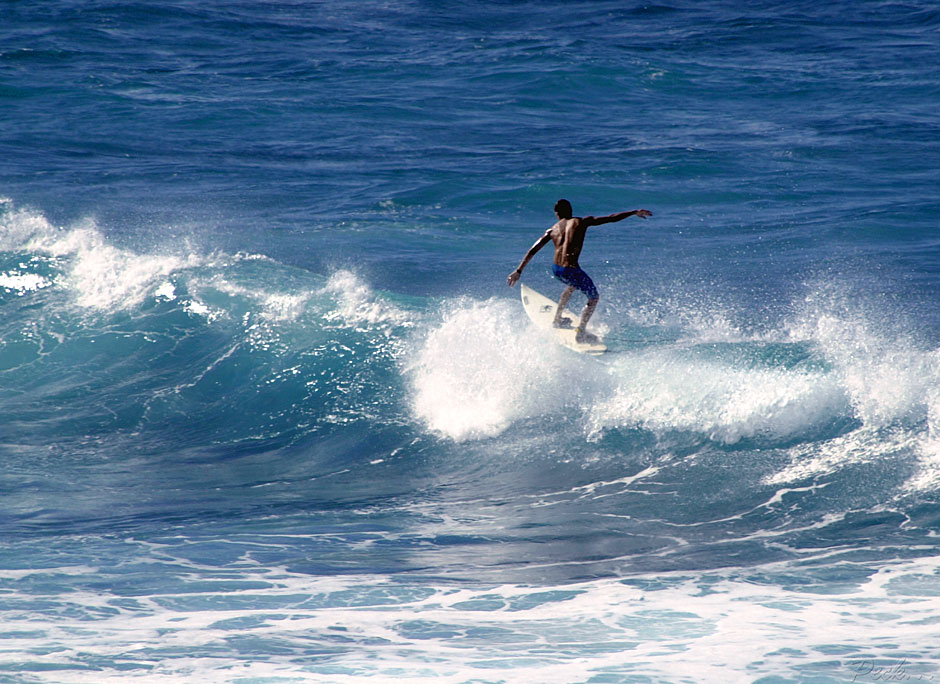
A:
(562, 323)
(584, 337)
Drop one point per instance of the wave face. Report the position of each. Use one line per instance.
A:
(268, 412)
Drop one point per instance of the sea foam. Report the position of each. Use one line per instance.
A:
(100, 275)
(663, 391)
(482, 367)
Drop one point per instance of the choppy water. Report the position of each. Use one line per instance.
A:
(269, 413)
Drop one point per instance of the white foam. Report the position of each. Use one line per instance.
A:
(195, 307)
(876, 373)
(100, 275)
(857, 447)
(19, 227)
(359, 305)
(165, 291)
(107, 277)
(887, 378)
(708, 627)
(22, 283)
(700, 322)
(284, 307)
(273, 307)
(662, 391)
(889, 382)
(483, 367)
(927, 479)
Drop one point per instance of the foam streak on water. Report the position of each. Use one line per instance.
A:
(672, 627)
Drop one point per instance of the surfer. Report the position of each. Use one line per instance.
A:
(568, 238)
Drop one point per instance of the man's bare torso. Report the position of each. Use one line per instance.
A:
(568, 237)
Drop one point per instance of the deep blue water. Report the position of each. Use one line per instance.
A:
(269, 413)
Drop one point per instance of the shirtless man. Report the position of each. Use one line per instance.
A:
(568, 237)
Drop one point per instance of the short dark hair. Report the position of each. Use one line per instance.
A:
(563, 208)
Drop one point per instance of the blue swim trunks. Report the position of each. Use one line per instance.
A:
(575, 277)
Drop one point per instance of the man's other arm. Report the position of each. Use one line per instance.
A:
(613, 218)
(541, 242)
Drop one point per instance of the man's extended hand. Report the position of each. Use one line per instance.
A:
(643, 213)
(513, 277)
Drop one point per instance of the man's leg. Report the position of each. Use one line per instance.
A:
(560, 322)
(583, 335)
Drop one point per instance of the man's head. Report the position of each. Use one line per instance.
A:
(563, 209)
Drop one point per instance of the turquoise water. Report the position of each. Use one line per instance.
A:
(269, 412)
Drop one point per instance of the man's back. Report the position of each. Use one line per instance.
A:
(568, 237)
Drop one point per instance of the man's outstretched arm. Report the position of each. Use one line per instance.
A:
(541, 242)
(613, 218)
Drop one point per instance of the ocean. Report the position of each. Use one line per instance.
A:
(269, 413)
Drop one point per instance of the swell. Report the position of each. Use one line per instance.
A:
(202, 372)
(99, 341)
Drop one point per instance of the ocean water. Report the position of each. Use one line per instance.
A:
(270, 414)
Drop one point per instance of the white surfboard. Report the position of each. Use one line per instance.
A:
(541, 310)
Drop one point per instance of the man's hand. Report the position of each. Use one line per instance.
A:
(513, 277)
(643, 213)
